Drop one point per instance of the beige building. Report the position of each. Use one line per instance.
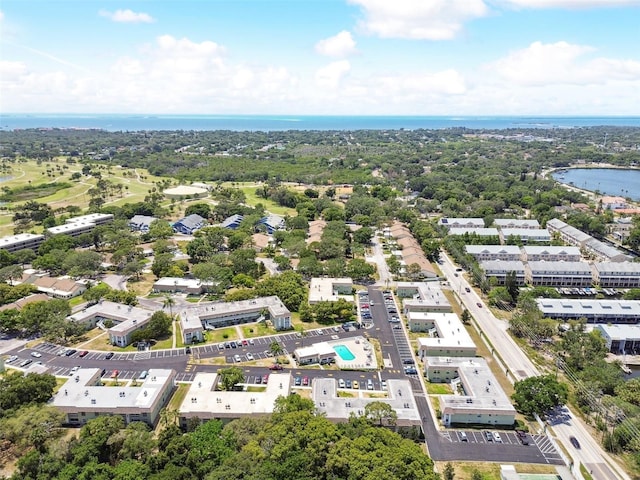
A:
(422, 297)
(330, 290)
(447, 335)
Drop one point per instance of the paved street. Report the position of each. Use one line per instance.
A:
(590, 454)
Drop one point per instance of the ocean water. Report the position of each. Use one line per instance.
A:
(609, 181)
(297, 122)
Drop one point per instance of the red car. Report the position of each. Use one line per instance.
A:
(305, 381)
(275, 366)
(83, 353)
(115, 373)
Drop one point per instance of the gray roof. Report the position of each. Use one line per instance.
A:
(560, 268)
(604, 249)
(493, 249)
(483, 232)
(550, 250)
(631, 269)
(578, 307)
(192, 221)
(517, 223)
(502, 266)
(526, 232)
(231, 220)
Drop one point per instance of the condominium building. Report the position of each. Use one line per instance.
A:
(483, 253)
(558, 274)
(498, 270)
(447, 335)
(210, 315)
(617, 274)
(205, 402)
(84, 397)
(525, 235)
(593, 311)
(466, 223)
(515, 223)
(538, 253)
(13, 243)
(330, 290)
(83, 224)
(479, 399)
(480, 232)
(422, 297)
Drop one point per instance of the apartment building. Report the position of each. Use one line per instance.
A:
(13, 243)
(446, 335)
(593, 311)
(539, 253)
(483, 253)
(558, 274)
(499, 269)
(616, 274)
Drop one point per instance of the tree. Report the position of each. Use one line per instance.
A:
(539, 394)
(293, 403)
(380, 413)
(363, 235)
(448, 473)
(159, 325)
(275, 348)
(169, 302)
(359, 269)
(230, 377)
(160, 229)
(465, 317)
(18, 390)
(511, 285)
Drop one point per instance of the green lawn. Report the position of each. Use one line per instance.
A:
(178, 396)
(249, 190)
(438, 389)
(257, 330)
(218, 335)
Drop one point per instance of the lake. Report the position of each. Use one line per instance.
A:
(609, 181)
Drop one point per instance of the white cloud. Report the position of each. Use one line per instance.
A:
(561, 63)
(1, 15)
(340, 45)
(331, 75)
(418, 19)
(569, 4)
(127, 16)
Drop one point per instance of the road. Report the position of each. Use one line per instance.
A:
(591, 453)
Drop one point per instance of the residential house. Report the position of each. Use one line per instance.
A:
(232, 222)
(272, 223)
(498, 270)
(525, 235)
(482, 253)
(330, 290)
(189, 224)
(538, 253)
(141, 223)
(514, 223)
(447, 335)
(594, 311)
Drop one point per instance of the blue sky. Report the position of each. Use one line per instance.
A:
(335, 57)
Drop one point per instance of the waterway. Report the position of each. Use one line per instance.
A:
(608, 181)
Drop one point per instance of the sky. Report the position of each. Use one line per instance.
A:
(321, 57)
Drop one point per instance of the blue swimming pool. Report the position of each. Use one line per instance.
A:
(344, 352)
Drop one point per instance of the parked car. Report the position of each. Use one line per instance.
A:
(187, 350)
(297, 381)
(522, 436)
(258, 379)
(463, 437)
(348, 383)
(12, 358)
(249, 356)
(83, 353)
(356, 385)
(114, 374)
(574, 441)
(237, 358)
(305, 381)
(143, 375)
(109, 356)
(275, 366)
(74, 370)
(36, 354)
(383, 384)
(369, 384)
(245, 343)
(341, 383)
(488, 436)
(497, 438)
(70, 352)
(26, 362)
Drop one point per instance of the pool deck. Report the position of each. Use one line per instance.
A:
(363, 351)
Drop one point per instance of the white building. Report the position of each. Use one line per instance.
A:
(339, 409)
(567, 233)
(211, 315)
(538, 253)
(480, 232)
(466, 223)
(83, 397)
(621, 339)
(596, 248)
(13, 243)
(483, 253)
(558, 274)
(525, 235)
(480, 399)
(605, 252)
(181, 285)
(498, 269)
(422, 297)
(330, 290)
(510, 223)
(617, 274)
(127, 319)
(447, 335)
(83, 224)
(594, 311)
(204, 402)
(321, 353)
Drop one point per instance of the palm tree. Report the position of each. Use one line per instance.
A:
(169, 302)
(276, 349)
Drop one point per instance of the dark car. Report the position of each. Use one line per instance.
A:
(109, 356)
(522, 436)
(298, 381)
(574, 441)
(70, 352)
(187, 350)
(479, 305)
(467, 289)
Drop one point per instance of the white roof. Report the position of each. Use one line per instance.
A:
(551, 250)
(579, 307)
(19, 238)
(179, 281)
(483, 390)
(451, 331)
(526, 232)
(483, 232)
(202, 400)
(500, 222)
(322, 289)
(631, 269)
(117, 312)
(82, 393)
(619, 332)
(490, 266)
(560, 268)
(454, 222)
(493, 249)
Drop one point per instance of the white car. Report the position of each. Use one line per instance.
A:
(74, 370)
(249, 356)
(36, 354)
(341, 383)
(496, 437)
(12, 358)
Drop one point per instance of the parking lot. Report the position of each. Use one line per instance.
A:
(539, 446)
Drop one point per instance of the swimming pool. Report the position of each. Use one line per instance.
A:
(344, 352)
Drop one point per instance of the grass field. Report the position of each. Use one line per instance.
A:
(249, 190)
(136, 185)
